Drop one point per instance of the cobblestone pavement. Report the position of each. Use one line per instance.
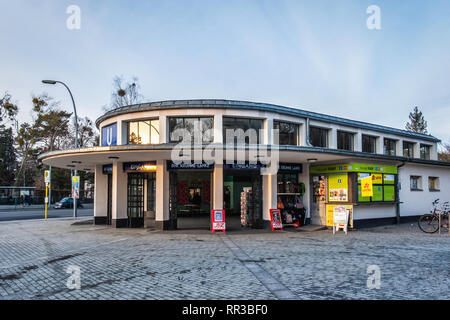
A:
(142, 264)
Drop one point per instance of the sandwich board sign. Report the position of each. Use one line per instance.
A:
(275, 219)
(218, 220)
(340, 218)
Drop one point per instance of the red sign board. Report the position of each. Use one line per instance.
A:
(218, 220)
(275, 219)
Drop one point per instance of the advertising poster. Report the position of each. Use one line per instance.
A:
(338, 188)
(75, 187)
(275, 219)
(218, 220)
(330, 213)
(366, 187)
(47, 177)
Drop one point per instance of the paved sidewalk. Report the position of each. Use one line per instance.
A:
(142, 264)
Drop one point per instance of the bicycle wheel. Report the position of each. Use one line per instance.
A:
(429, 223)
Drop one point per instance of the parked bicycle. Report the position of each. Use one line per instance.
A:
(429, 223)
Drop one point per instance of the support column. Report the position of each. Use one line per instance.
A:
(217, 203)
(380, 145)
(358, 141)
(162, 217)
(268, 132)
(163, 129)
(218, 129)
(416, 150)
(119, 196)
(399, 148)
(270, 193)
(332, 138)
(100, 196)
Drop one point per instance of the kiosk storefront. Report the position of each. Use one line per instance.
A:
(340, 184)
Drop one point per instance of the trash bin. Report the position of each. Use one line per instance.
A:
(149, 219)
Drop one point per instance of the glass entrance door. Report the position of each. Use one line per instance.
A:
(140, 197)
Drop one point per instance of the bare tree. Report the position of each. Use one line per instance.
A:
(125, 93)
(444, 154)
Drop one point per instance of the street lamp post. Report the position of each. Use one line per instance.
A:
(53, 82)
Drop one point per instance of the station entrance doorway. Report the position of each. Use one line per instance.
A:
(242, 199)
(190, 199)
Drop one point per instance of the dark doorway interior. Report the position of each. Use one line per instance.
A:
(191, 199)
(243, 199)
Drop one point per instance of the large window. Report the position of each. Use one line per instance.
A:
(369, 144)
(425, 152)
(408, 149)
(244, 124)
(345, 140)
(318, 137)
(288, 133)
(389, 147)
(143, 132)
(204, 125)
(384, 187)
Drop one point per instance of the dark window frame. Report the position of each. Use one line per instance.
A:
(323, 133)
(407, 145)
(293, 138)
(425, 155)
(251, 125)
(371, 139)
(389, 147)
(347, 135)
(211, 118)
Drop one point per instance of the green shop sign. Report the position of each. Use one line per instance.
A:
(353, 167)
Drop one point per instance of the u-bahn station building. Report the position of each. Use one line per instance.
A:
(321, 161)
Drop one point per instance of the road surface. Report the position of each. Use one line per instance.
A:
(39, 214)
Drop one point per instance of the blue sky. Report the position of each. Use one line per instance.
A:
(315, 55)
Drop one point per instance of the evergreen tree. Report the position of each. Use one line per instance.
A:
(7, 157)
(417, 122)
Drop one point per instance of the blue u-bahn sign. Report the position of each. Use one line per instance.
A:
(109, 135)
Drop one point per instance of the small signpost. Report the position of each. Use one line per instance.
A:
(47, 179)
(275, 219)
(340, 218)
(218, 220)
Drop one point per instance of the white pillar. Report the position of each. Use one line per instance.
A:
(119, 196)
(218, 128)
(268, 134)
(270, 194)
(358, 141)
(332, 138)
(380, 145)
(416, 150)
(399, 148)
(100, 196)
(162, 196)
(163, 129)
(217, 203)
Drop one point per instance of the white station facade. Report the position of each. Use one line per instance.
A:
(322, 160)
